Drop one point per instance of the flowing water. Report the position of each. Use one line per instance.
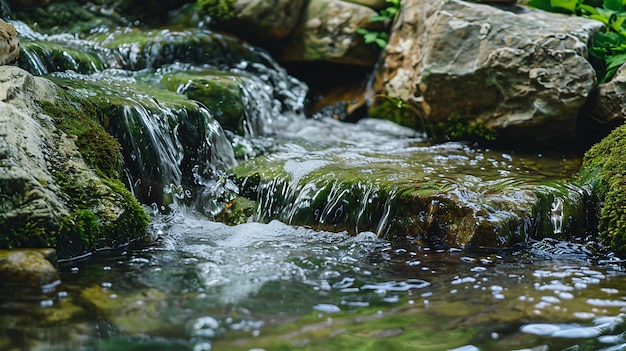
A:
(292, 283)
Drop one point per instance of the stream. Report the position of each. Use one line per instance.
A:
(331, 258)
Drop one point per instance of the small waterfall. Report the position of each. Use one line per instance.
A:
(376, 176)
(176, 152)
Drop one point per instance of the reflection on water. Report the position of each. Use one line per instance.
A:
(277, 287)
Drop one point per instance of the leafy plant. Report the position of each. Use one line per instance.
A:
(610, 46)
(378, 37)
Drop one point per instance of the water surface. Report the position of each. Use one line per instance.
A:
(276, 287)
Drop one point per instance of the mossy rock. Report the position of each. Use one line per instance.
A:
(43, 57)
(61, 173)
(219, 91)
(138, 49)
(441, 198)
(167, 140)
(455, 127)
(604, 174)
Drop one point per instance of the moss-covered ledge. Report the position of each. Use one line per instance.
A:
(603, 173)
(60, 183)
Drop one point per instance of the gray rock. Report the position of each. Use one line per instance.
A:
(28, 186)
(608, 105)
(523, 74)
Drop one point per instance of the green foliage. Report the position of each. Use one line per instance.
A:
(217, 9)
(377, 37)
(610, 47)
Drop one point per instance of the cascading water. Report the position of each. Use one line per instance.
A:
(176, 152)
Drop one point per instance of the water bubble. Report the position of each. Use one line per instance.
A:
(606, 303)
(541, 329)
(584, 315)
(327, 308)
(205, 327)
(463, 280)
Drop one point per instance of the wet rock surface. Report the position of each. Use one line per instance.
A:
(56, 199)
(437, 195)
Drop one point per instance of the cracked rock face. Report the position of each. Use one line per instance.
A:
(9, 43)
(522, 73)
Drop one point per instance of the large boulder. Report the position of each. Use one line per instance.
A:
(53, 194)
(523, 74)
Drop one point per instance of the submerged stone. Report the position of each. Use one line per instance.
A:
(139, 312)
(138, 49)
(28, 268)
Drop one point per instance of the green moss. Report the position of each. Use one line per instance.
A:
(604, 172)
(77, 233)
(453, 128)
(89, 226)
(23, 232)
(99, 149)
(54, 57)
(130, 225)
(219, 92)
